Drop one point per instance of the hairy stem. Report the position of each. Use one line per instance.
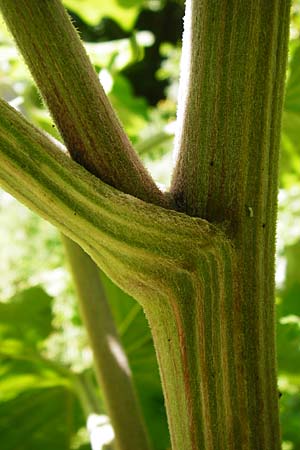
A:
(93, 135)
(169, 262)
(116, 229)
(207, 290)
(71, 89)
(230, 104)
(25, 143)
(165, 259)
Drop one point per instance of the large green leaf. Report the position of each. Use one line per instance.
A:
(131, 110)
(290, 418)
(38, 408)
(292, 96)
(26, 317)
(288, 311)
(38, 405)
(290, 141)
(39, 418)
(92, 11)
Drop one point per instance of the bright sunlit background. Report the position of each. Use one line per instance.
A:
(48, 395)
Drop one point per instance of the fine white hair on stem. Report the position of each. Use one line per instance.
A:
(184, 82)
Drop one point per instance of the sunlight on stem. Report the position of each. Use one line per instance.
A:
(119, 354)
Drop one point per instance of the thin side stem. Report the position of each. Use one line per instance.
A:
(88, 402)
(111, 364)
(71, 89)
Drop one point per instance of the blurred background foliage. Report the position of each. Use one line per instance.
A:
(47, 384)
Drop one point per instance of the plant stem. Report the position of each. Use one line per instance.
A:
(231, 95)
(165, 259)
(111, 364)
(208, 291)
(93, 135)
(71, 89)
(25, 145)
(105, 222)
(230, 104)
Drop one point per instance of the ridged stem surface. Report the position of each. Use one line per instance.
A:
(150, 252)
(229, 118)
(207, 290)
(90, 128)
(183, 270)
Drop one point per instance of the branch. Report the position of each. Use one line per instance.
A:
(165, 259)
(129, 239)
(70, 87)
(116, 383)
(95, 139)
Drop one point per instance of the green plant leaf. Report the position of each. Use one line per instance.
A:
(91, 11)
(131, 110)
(27, 317)
(288, 312)
(290, 157)
(38, 408)
(39, 418)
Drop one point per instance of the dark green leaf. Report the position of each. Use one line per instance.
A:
(41, 418)
(27, 316)
(92, 11)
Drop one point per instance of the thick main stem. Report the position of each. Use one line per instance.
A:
(233, 70)
(196, 332)
(209, 298)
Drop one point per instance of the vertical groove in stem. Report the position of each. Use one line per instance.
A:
(230, 103)
(187, 276)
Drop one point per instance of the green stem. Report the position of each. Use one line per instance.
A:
(165, 259)
(114, 228)
(208, 294)
(93, 135)
(230, 104)
(71, 89)
(231, 94)
(110, 361)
